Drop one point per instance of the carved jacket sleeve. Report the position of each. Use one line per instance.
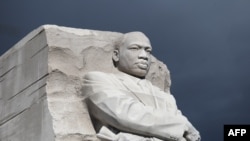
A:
(115, 107)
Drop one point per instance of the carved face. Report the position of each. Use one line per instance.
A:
(134, 55)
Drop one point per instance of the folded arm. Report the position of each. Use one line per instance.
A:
(117, 108)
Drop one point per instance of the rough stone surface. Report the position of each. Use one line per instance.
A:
(41, 82)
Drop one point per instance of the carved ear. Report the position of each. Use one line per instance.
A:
(115, 55)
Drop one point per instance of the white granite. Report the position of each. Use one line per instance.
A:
(41, 81)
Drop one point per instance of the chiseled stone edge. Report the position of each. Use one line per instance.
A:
(78, 32)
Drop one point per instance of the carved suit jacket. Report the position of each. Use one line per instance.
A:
(127, 104)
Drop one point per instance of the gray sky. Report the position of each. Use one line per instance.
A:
(205, 44)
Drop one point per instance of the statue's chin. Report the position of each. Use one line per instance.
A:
(141, 73)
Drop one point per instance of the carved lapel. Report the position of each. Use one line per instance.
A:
(137, 91)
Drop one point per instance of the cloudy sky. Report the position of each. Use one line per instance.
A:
(205, 44)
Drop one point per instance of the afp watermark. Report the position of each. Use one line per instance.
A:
(237, 132)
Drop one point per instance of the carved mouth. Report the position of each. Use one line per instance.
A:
(143, 65)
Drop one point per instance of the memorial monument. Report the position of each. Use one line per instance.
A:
(46, 81)
(125, 106)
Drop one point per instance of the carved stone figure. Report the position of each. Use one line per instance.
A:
(124, 106)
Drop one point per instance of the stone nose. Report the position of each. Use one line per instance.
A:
(143, 55)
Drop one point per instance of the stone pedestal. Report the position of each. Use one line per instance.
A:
(41, 95)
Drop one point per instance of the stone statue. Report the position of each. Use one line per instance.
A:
(124, 106)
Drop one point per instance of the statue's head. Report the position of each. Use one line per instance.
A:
(132, 54)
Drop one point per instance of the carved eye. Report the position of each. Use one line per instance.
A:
(134, 47)
(149, 50)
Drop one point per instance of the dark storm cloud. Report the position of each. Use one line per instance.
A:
(206, 45)
(8, 30)
(7, 33)
(210, 64)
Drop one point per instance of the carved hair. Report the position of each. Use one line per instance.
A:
(120, 40)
